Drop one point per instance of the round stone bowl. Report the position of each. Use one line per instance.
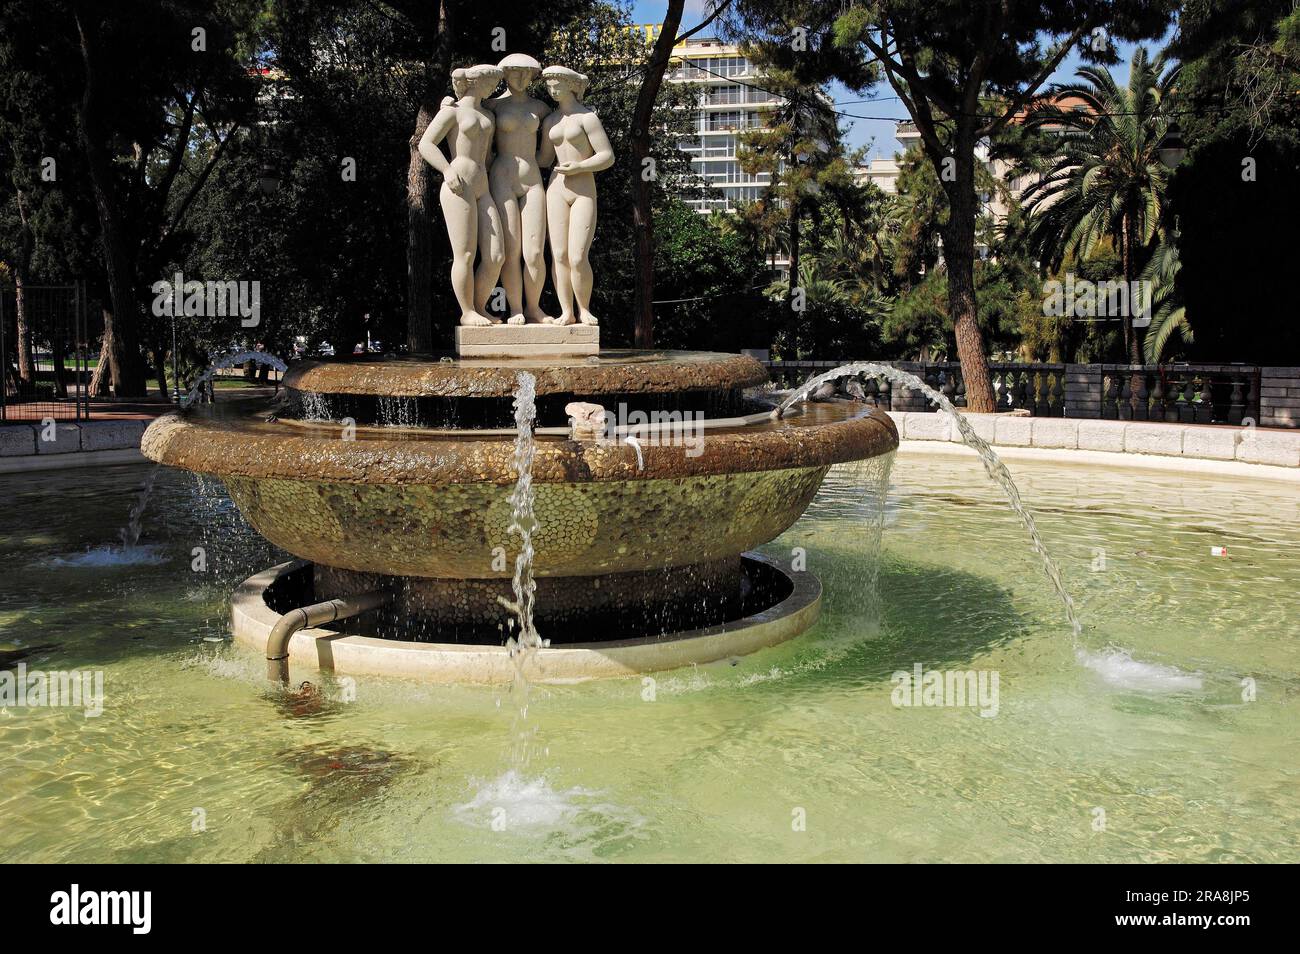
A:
(416, 502)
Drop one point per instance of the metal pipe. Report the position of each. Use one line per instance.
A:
(277, 644)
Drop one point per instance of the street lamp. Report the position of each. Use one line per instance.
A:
(1172, 150)
(268, 180)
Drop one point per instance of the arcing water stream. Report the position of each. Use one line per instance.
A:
(996, 470)
(229, 360)
(1114, 665)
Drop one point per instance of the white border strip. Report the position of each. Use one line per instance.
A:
(1047, 455)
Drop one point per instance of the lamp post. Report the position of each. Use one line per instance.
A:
(1172, 150)
(268, 180)
(176, 374)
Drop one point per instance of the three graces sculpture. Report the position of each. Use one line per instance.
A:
(496, 203)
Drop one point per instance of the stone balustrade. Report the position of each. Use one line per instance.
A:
(1234, 394)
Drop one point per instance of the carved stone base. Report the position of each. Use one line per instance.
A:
(527, 341)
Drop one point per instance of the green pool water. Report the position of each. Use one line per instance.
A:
(797, 753)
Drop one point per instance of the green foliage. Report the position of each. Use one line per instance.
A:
(1240, 183)
(707, 280)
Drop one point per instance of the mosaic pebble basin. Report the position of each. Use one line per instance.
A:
(585, 529)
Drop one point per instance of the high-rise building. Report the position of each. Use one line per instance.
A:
(731, 101)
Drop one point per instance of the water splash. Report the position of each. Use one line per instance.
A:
(515, 801)
(107, 557)
(993, 466)
(1118, 668)
(524, 642)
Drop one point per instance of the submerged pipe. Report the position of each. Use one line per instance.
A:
(277, 644)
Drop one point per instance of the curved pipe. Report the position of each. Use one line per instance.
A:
(317, 614)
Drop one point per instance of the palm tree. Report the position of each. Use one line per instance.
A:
(1168, 315)
(1106, 180)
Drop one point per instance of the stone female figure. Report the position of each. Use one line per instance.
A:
(473, 222)
(573, 139)
(516, 184)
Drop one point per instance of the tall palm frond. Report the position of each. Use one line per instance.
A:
(1106, 180)
(1168, 314)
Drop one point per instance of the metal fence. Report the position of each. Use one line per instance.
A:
(1186, 393)
(44, 353)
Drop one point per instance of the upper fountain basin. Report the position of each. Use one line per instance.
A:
(476, 393)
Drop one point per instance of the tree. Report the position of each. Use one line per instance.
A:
(963, 70)
(795, 148)
(642, 162)
(148, 98)
(709, 281)
(1240, 181)
(1106, 179)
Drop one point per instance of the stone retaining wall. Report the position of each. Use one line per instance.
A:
(1278, 448)
(30, 440)
(1279, 397)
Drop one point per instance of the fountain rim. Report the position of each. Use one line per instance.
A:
(221, 448)
(617, 371)
(465, 663)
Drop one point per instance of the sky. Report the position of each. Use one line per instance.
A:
(870, 124)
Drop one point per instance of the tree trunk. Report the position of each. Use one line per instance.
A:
(119, 326)
(1133, 339)
(26, 366)
(419, 198)
(793, 281)
(642, 174)
(959, 253)
(419, 244)
(102, 377)
(60, 366)
(160, 369)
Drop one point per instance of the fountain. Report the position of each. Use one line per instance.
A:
(640, 549)
(437, 532)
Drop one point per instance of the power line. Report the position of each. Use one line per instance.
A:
(895, 119)
(676, 301)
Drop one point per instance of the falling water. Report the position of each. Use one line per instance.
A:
(315, 407)
(398, 412)
(992, 464)
(524, 643)
(130, 534)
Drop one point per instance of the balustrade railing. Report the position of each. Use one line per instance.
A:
(1181, 393)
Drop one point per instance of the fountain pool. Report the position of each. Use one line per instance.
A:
(195, 758)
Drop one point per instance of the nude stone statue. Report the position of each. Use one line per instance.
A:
(575, 141)
(473, 221)
(516, 184)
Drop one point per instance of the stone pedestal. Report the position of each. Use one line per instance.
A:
(568, 608)
(527, 341)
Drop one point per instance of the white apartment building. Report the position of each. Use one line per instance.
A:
(729, 105)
